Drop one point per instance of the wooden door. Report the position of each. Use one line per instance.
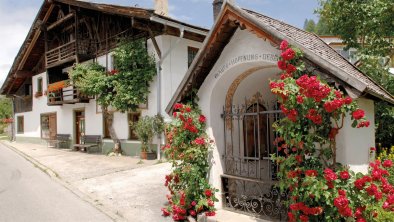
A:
(52, 126)
(79, 126)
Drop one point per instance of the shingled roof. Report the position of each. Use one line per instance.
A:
(315, 50)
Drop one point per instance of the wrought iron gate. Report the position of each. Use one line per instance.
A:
(249, 180)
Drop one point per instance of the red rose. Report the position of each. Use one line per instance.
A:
(166, 213)
(178, 106)
(208, 193)
(210, 214)
(388, 163)
(194, 203)
(361, 220)
(304, 218)
(288, 54)
(344, 175)
(174, 114)
(282, 65)
(300, 99)
(348, 100)
(192, 212)
(290, 68)
(202, 119)
(291, 217)
(358, 114)
(188, 109)
(329, 175)
(211, 203)
(284, 45)
(342, 192)
(199, 141)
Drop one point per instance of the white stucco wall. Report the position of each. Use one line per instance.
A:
(353, 144)
(174, 68)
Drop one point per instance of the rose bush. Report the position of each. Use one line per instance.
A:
(187, 149)
(320, 189)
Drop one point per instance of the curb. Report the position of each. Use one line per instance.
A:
(54, 176)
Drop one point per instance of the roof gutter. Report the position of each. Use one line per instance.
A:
(176, 25)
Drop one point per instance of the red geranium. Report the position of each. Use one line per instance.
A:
(178, 106)
(282, 65)
(311, 173)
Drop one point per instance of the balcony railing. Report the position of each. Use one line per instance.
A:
(69, 52)
(63, 92)
(61, 54)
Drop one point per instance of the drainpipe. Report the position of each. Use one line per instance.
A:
(13, 137)
(159, 68)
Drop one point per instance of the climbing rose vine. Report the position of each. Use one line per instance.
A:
(321, 189)
(187, 149)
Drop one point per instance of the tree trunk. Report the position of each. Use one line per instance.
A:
(109, 122)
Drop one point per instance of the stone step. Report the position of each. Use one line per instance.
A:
(228, 216)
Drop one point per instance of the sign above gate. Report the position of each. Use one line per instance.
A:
(271, 58)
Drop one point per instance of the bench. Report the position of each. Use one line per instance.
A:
(61, 139)
(89, 143)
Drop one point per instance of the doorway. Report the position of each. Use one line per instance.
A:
(79, 125)
(48, 126)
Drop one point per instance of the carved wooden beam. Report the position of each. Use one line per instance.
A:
(60, 21)
(157, 48)
(23, 74)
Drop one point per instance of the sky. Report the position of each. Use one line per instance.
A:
(16, 17)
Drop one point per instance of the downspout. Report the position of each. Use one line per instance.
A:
(13, 137)
(158, 70)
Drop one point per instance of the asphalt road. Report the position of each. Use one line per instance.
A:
(28, 195)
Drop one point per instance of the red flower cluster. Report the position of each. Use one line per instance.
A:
(332, 106)
(288, 54)
(311, 87)
(330, 176)
(199, 141)
(358, 114)
(311, 173)
(300, 206)
(291, 114)
(275, 85)
(342, 203)
(363, 124)
(314, 116)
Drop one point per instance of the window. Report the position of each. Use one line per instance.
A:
(132, 119)
(106, 133)
(191, 54)
(20, 124)
(39, 84)
(28, 89)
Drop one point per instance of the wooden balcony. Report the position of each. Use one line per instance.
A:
(65, 95)
(69, 52)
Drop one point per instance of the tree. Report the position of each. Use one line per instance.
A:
(5, 112)
(123, 89)
(310, 25)
(321, 28)
(370, 30)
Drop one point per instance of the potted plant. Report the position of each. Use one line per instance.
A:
(145, 129)
(51, 97)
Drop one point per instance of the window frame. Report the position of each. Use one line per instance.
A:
(191, 55)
